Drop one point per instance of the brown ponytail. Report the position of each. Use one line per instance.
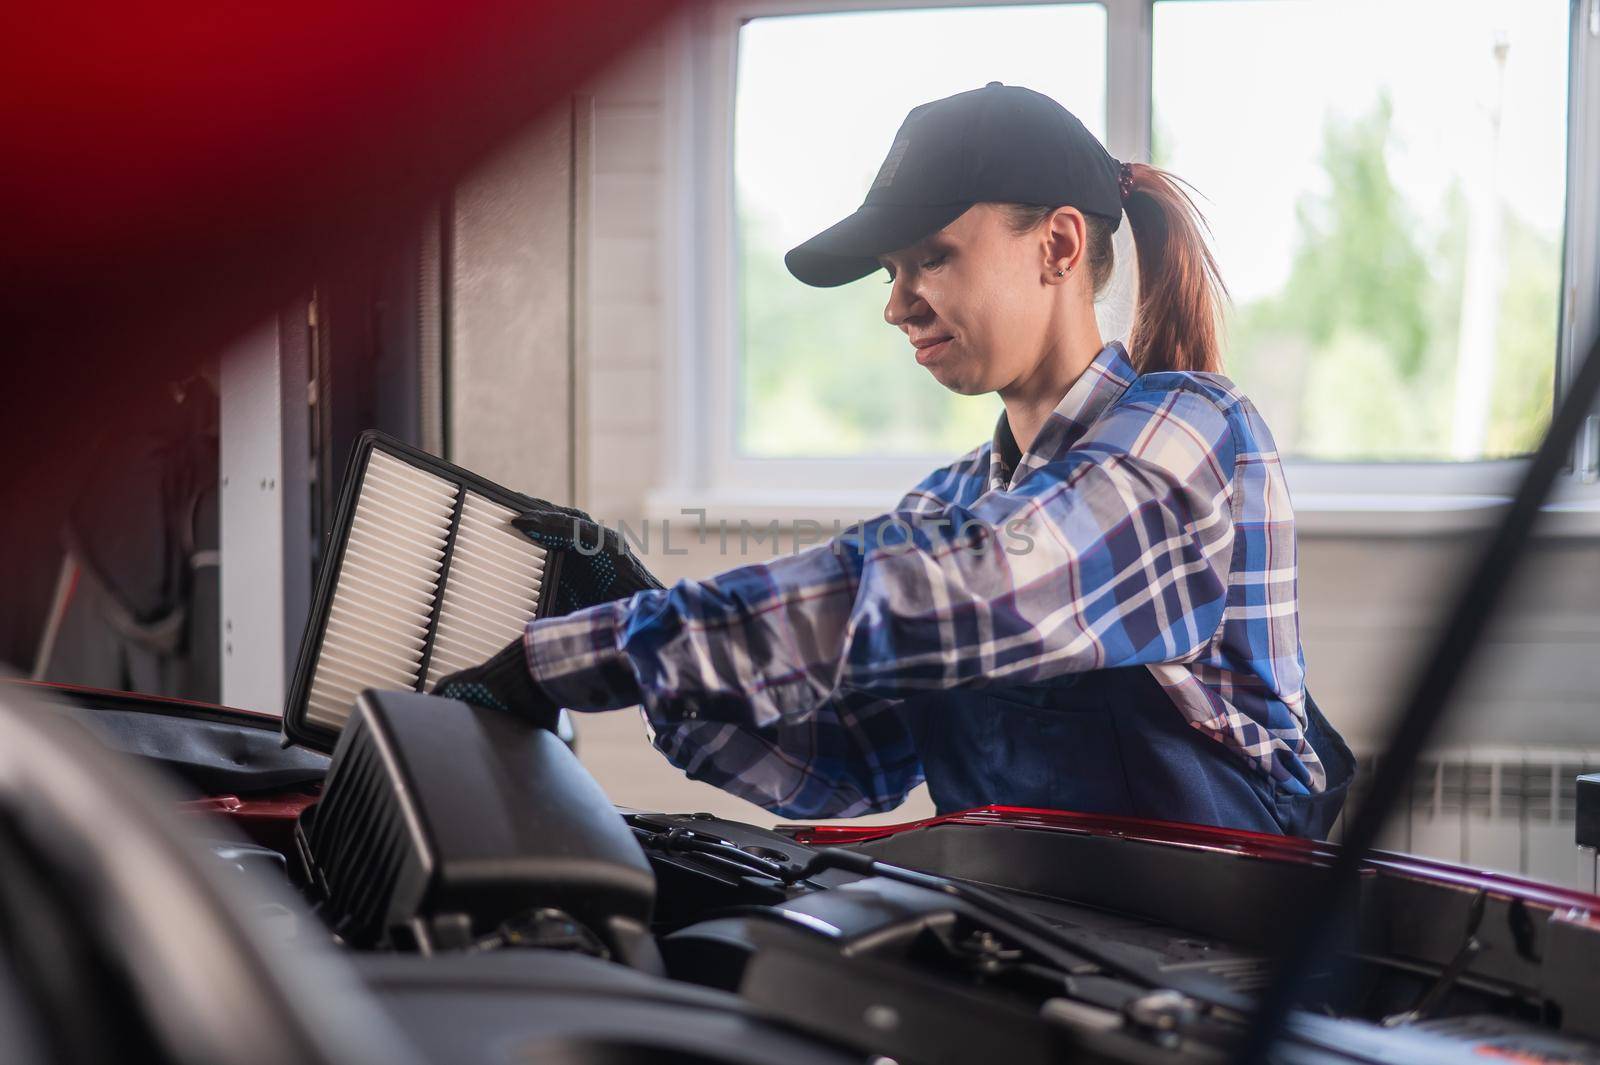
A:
(1177, 320)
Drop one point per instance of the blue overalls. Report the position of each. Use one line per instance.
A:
(1109, 741)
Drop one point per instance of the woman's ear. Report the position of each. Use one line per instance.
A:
(1065, 239)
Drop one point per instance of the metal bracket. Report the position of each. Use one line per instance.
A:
(1588, 449)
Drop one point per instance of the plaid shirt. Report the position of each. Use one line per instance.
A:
(1149, 524)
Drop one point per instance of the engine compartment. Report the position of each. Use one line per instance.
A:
(502, 874)
(479, 837)
(842, 966)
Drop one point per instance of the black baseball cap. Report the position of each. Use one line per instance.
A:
(997, 144)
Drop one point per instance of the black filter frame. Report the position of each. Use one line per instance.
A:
(296, 728)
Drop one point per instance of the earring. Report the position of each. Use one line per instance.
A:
(1061, 273)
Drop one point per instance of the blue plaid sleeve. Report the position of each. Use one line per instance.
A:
(773, 677)
(850, 756)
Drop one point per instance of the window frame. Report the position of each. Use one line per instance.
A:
(704, 468)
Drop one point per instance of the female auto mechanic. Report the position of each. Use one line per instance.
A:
(1096, 611)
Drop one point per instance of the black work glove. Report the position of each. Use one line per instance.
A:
(503, 683)
(597, 566)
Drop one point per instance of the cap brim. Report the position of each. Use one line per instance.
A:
(849, 249)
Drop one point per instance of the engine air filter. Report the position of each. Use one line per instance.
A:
(423, 575)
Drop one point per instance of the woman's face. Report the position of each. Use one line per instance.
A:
(976, 301)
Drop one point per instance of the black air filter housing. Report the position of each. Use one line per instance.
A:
(1588, 827)
(440, 814)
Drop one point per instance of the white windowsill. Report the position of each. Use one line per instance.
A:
(1317, 514)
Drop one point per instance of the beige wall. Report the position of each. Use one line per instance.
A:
(627, 316)
(511, 327)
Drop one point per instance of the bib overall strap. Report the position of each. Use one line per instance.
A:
(1109, 742)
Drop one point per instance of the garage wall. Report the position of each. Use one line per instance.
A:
(628, 319)
(511, 327)
(1369, 603)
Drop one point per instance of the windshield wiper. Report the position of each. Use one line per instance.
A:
(654, 836)
(1081, 946)
(676, 839)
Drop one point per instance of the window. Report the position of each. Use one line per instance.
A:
(820, 373)
(1386, 185)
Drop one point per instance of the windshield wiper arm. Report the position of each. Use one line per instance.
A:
(655, 836)
(993, 905)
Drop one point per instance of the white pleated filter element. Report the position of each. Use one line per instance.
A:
(383, 599)
(491, 592)
(387, 589)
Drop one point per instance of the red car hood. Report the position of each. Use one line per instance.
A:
(1584, 905)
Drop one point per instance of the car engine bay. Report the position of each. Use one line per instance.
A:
(502, 909)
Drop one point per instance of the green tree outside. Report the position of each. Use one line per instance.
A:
(824, 374)
(1353, 358)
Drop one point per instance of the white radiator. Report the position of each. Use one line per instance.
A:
(1509, 809)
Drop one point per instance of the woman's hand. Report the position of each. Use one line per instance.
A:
(598, 566)
(504, 683)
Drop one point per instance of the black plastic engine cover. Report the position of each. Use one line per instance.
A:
(436, 809)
